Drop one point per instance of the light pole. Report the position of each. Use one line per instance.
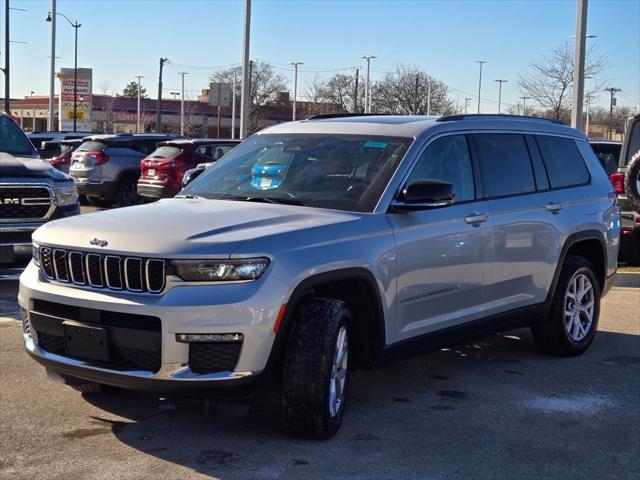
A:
(524, 105)
(466, 104)
(481, 62)
(367, 90)
(175, 94)
(138, 118)
(586, 128)
(245, 93)
(182, 74)
(233, 104)
(500, 82)
(295, 87)
(52, 72)
(578, 64)
(76, 26)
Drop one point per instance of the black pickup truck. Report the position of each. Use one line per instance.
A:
(32, 193)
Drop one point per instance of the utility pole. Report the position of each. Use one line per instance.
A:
(466, 104)
(355, 98)
(159, 101)
(415, 104)
(586, 128)
(245, 93)
(578, 64)
(500, 82)
(182, 74)
(7, 93)
(612, 103)
(367, 90)
(481, 62)
(518, 107)
(524, 105)
(429, 99)
(138, 117)
(52, 79)
(233, 104)
(295, 87)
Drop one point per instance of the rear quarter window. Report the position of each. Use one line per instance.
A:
(563, 161)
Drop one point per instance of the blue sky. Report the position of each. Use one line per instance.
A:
(123, 38)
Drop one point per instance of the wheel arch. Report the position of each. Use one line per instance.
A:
(358, 288)
(589, 244)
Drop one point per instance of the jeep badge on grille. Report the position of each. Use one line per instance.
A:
(99, 243)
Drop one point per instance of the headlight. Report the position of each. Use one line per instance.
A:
(66, 195)
(35, 254)
(220, 270)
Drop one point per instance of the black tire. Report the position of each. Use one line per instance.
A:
(99, 202)
(83, 200)
(632, 181)
(550, 333)
(128, 192)
(307, 368)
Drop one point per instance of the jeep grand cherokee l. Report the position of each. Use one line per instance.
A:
(385, 234)
(31, 193)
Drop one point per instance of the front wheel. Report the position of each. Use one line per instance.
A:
(572, 321)
(315, 373)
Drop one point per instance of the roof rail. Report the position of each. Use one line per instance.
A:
(345, 115)
(478, 116)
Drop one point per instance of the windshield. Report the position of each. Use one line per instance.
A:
(343, 172)
(12, 140)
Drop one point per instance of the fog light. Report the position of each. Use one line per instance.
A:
(209, 337)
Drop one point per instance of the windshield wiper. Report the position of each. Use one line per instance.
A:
(284, 201)
(189, 196)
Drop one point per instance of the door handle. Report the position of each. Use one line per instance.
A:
(476, 218)
(554, 207)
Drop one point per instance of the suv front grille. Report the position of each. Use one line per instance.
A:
(24, 202)
(112, 272)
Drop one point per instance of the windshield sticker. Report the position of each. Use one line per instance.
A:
(371, 144)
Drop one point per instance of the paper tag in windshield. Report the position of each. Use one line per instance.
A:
(371, 144)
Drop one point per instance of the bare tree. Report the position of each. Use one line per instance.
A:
(405, 91)
(549, 82)
(265, 84)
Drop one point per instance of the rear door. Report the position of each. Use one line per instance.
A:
(443, 255)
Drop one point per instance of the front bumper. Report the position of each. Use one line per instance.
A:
(250, 309)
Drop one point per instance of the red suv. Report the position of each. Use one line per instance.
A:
(161, 172)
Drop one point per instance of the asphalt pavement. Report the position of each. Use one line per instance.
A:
(493, 408)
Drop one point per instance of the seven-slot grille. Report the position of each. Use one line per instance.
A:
(103, 270)
(24, 202)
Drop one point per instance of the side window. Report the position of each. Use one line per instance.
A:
(217, 151)
(447, 159)
(562, 159)
(205, 151)
(505, 165)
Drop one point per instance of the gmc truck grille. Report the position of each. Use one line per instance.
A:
(96, 270)
(19, 202)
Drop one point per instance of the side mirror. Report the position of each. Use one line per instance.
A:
(425, 194)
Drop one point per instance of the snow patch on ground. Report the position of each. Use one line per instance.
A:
(588, 404)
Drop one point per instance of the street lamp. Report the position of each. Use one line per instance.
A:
(76, 26)
(295, 87)
(175, 94)
(138, 117)
(481, 62)
(500, 82)
(367, 92)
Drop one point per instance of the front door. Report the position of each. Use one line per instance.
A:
(443, 254)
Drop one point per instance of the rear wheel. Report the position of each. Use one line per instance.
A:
(571, 324)
(315, 373)
(128, 192)
(99, 202)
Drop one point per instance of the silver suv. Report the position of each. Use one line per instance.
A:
(106, 168)
(360, 239)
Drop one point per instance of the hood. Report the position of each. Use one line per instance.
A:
(11, 166)
(183, 227)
